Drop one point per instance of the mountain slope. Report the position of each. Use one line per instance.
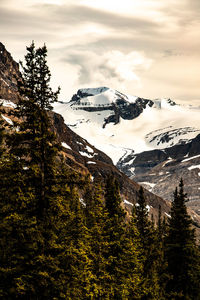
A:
(79, 154)
(160, 170)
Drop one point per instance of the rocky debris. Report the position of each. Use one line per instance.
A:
(9, 74)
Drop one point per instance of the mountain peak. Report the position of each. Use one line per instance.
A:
(92, 91)
(101, 96)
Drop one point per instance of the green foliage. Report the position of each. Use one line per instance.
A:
(181, 250)
(33, 141)
(123, 263)
(149, 249)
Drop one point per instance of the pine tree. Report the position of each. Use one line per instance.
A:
(163, 276)
(75, 259)
(95, 220)
(123, 263)
(34, 143)
(149, 251)
(181, 251)
(29, 229)
(133, 260)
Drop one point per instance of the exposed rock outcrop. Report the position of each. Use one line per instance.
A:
(9, 74)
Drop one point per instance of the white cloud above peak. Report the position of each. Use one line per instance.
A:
(138, 45)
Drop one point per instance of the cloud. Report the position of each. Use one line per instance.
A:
(92, 44)
(111, 68)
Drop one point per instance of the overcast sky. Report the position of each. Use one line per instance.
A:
(148, 48)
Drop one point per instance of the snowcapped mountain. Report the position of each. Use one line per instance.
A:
(154, 142)
(120, 124)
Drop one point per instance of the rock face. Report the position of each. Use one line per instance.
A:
(161, 170)
(9, 74)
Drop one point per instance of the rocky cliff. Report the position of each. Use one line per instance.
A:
(9, 74)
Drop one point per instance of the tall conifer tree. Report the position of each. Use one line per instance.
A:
(96, 217)
(29, 261)
(123, 263)
(34, 142)
(181, 251)
(149, 251)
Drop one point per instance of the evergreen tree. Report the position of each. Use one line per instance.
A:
(29, 179)
(34, 143)
(149, 250)
(75, 259)
(95, 219)
(123, 263)
(163, 276)
(133, 260)
(181, 251)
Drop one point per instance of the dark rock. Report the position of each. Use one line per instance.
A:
(9, 75)
(161, 170)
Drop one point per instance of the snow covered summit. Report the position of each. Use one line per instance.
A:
(120, 124)
(102, 96)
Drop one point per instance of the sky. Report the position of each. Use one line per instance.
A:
(146, 48)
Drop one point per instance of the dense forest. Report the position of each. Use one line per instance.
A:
(63, 236)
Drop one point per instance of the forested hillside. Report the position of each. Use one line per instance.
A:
(62, 236)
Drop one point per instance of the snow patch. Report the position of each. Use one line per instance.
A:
(66, 146)
(91, 162)
(168, 160)
(127, 202)
(194, 167)
(8, 103)
(89, 149)
(9, 121)
(86, 154)
(130, 161)
(148, 208)
(82, 202)
(190, 158)
(132, 170)
(167, 215)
